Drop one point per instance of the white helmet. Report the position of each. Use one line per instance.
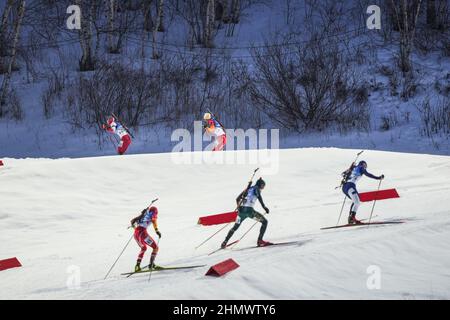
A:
(207, 116)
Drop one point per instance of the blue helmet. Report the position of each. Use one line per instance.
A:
(362, 163)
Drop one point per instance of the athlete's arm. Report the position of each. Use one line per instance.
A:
(368, 174)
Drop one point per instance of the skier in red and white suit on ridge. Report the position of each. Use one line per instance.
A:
(213, 127)
(143, 239)
(114, 126)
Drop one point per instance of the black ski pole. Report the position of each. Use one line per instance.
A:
(374, 202)
(210, 237)
(150, 266)
(342, 208)
(118, 257)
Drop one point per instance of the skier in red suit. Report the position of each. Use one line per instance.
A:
(114, 126)
(143, 239)
(214, 128)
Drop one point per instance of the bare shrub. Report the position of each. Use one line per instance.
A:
(446, 48)
(309, 89)
(435, 117)
(56, 83)
(112, 88)
(13, 106)
(393, 84)
(385, 71)
(389, 121)
(361, 95)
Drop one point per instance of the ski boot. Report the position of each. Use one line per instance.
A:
(137, 267)
(352, 219)
(152, 264)
(154, 267)
(262, 243)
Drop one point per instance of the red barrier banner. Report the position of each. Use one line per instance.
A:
(218, 218)
(9, 263)
(378, 195)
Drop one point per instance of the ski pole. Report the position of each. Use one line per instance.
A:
(342, 208)
(124, 248)
(118, 257)
(151, 270)
(374, 202)
(210, 237)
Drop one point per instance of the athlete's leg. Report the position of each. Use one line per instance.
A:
(220, 143)
(236, 226)
(139, 237)
(353, 194)
(260, 218)
(243, 213)
(355, 198)
(151, 243)
(124, 144)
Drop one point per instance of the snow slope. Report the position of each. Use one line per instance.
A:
(57, 214)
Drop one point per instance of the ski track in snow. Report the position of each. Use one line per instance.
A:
(74, 212)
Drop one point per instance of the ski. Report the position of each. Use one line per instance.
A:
(362, 224)
(228, 245)
(270, 245)
(158, 268)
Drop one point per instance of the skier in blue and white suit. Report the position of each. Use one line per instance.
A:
(349, 188)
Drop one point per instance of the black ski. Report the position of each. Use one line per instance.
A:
(287, 243)
(228, 245)
(362, 224)
(158, 268)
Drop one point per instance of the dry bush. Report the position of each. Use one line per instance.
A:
(12, 107)
(310, 88)
(111, 88)
(56, 84)
(435, 117)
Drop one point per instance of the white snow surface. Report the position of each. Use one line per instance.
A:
(63, 214)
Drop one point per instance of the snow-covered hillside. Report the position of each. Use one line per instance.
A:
(395, 122)
(60, 215)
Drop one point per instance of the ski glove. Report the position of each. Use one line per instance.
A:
(158, 233)
(266, 209)
(382, 177)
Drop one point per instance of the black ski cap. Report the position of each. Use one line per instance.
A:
(362, 163)
(260, 183)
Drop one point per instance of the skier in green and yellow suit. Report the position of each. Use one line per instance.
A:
(246, 201)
